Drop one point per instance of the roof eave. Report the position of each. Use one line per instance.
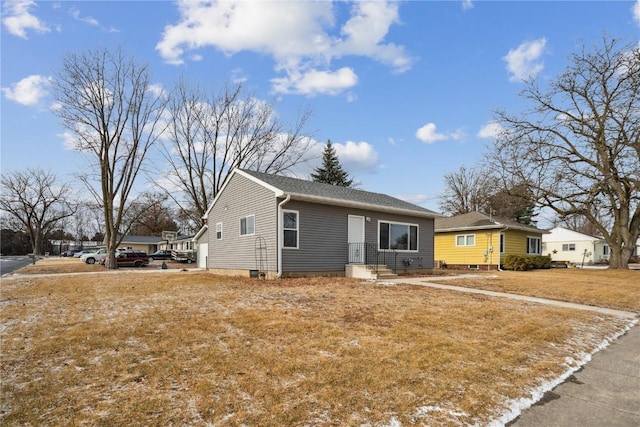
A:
(360, 205)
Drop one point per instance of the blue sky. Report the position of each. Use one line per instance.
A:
(405, 90)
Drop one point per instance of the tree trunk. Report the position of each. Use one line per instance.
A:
(619, 258)
(110, 261)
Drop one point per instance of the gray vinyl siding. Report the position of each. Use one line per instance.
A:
(323, 237)
(240, 198)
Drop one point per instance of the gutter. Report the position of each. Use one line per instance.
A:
(279, 237)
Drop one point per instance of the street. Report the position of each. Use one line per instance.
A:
(12, 263)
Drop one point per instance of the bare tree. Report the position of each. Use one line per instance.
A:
(107, 102)
(36, 202)
(467, 190)
(151, 215)
(579, 144)
(209, 135)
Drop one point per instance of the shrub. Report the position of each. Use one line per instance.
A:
(515, 263)
(526, 262)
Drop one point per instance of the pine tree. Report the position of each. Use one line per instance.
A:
(331, 171)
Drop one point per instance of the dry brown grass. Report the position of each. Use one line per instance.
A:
(55, 265)
(619, 289)
(191, 349)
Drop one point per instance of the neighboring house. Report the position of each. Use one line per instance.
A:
(148, 244)
(478, 241)
(577, 248)
(269, 225)
(179, 243)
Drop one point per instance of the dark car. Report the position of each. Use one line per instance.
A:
(161, 254)
(131, 259)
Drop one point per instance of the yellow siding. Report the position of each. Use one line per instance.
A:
(446, 250)
(516, 242)
(479, 254)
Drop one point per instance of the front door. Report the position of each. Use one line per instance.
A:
(356, 239)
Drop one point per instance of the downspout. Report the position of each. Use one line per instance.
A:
(279, 237)
(500, 252)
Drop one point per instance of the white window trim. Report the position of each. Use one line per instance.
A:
(297, 229)
(465, 240)
(219, 226)
(539, 239)
(254, 225)
(408, 224)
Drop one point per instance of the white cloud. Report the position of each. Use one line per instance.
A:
(158, 90)
(17, 18)
(302, 38)
(490, 130)
(314, 82)
(467, 4)
(357, 156)
(636, 12)
(523, 62)
(87, 20)
(429, 134)
(28, 91)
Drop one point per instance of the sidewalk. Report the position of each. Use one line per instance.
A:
(605, 392)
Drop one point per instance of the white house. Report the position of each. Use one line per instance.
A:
(566, 245)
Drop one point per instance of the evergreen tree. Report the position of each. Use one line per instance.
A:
(331, 171)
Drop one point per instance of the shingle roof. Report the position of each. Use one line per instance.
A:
(142, 239)
(300, 189)
(477, 220)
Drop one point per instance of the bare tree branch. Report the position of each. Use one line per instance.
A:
(106, 101)
(579, 144)
(37, 202)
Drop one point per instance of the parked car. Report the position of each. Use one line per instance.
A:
(93, 257)
(84, 252)
(70, 252)
(130, 259)
(161, 254)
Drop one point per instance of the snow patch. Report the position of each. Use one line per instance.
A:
(516, 406)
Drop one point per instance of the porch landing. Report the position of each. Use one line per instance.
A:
(367, 271)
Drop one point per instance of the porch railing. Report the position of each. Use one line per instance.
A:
(368, 254)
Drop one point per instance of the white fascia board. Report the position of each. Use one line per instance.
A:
(200, 232)
(360, 205)
(276, 190)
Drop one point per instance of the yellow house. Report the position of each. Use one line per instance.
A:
(477, 241)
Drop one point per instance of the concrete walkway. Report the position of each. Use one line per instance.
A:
(605, 392)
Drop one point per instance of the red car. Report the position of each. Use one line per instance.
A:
(130, 259)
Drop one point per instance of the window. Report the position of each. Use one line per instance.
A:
(290, 229)
(219, 230)
(399, 236)
(568, 247)
(605, 250)
(247, 225)
(501, 243)
(466, 240)
(533, 245)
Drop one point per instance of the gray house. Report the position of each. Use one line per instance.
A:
(266, 225)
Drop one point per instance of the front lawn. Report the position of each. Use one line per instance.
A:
(190, 348)
(618, 289)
